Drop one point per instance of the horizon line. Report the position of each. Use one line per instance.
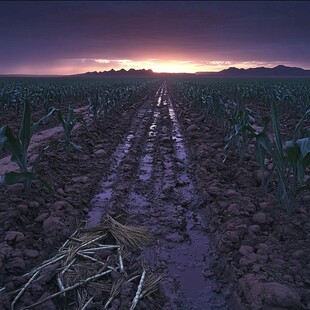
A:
(122, 69)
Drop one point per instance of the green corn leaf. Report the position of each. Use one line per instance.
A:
(41, 154)
(276, 127)
(260, 153)
(304, 146)
(266, 121)
(293, 152)
(301, 123)
(13, 146)
(11, 178)
(264, 141)
(300, 172)
(43, 120)
(61, 120)
(2, 137)
(25, 129)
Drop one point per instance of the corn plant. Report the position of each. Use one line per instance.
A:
(96, 106)
(68, 125)
(241, 131)
(213, 106)
(290, 159)
(18, 148)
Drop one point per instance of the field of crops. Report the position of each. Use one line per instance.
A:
(154, 194)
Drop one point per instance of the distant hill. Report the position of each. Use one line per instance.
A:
(232, 72)
(131, 73)
(260, 72)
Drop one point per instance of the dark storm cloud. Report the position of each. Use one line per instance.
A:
(43, 32)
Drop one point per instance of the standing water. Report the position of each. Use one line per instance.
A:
(161, 196)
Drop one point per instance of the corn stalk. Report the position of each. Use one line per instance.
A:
(68, 125)
(290, 159)
(18, 148)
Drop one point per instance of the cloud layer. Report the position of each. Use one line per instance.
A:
(72, 36)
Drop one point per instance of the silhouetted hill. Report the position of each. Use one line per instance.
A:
(260, 72)
(132, 73)
(232, 72)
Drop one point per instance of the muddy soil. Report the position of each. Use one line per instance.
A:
(34, 224)
(150, 180)
(220, 242)
(265, 252)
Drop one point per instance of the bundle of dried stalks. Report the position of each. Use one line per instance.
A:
(87, 260)
(130, 237)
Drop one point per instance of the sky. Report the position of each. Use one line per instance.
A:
(68, 37)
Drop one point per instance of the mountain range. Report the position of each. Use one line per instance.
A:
(232, 72)
(276, 72)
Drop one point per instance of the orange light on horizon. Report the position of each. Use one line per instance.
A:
(76, 66)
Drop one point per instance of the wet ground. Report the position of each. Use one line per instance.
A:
(159, 164)
(150, 180)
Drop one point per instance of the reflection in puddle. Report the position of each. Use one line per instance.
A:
(165, 201)
(188, 258)
(100, 202)
(176, 135)
(146, 162)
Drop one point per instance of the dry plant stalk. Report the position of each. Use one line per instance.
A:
(116, 288)
(138, 293)
(151, 284)
(129, 236)
(23, 289)
(82, 264)
(70, 288)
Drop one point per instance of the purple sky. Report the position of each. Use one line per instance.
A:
(71, 37)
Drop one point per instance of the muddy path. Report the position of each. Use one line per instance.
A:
(150, 181)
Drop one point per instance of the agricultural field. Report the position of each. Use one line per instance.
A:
(154, 194)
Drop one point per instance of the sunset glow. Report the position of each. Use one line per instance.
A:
(75, 66)
(70, 37)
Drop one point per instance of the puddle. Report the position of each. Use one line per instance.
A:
(189, 258)
(177, 136)
(164, 200)
(100, 202)
(146, 162)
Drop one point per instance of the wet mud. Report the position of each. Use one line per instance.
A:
(150, 180)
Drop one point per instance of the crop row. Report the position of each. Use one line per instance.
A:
(103, 98)
(226, 103)
(48, 92)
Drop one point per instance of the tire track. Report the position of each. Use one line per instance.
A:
(151, 182)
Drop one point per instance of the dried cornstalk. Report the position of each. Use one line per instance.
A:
(68, 266)
(91, 258)
(47, 263)
(138, 293)
(66, 242)
(23, 289)
(120, 259)
(151, 284)
(116, 288)
(70, 288)
(87, 303)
